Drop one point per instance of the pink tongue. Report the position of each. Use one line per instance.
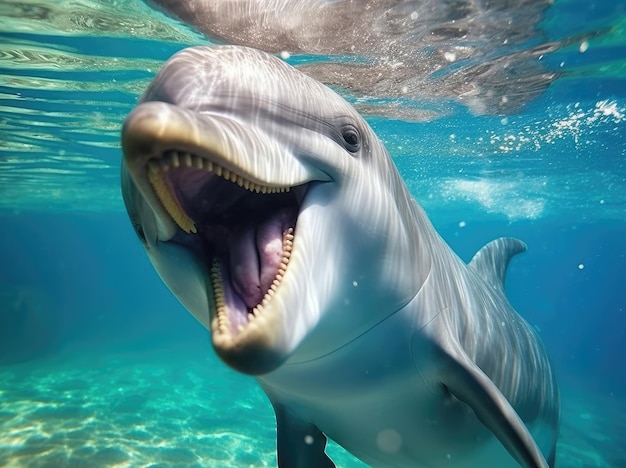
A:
(255, 255)
(244, 266)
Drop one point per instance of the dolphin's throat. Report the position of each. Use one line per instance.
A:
(241, 231)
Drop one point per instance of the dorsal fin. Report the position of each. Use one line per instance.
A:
(491, 261)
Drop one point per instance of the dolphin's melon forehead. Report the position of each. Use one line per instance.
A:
(202, 77)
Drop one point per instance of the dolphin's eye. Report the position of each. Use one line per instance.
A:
(351, 138)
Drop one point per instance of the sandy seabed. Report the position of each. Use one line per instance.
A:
(181, 409)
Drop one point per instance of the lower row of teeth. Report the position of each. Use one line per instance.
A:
(223, 321)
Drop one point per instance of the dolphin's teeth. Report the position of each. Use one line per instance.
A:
(157, 180)
(177, 159)
(198, 162)
(240, 328)
(287, 247)
(218, 295)
(153, 168)
(251, 317)
(174, 159)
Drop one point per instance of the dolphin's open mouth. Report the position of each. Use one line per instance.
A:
(241, 231)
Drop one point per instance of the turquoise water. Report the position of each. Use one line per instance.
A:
(100, 366)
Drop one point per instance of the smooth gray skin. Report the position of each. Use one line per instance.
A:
(378, 336)
(484, 54)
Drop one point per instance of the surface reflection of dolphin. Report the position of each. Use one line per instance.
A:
(275, 215)
(400, 58)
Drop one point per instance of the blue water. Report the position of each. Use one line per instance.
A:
(100, 366)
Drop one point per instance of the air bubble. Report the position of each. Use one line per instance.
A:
(389, 441)
(584, 45)
(450, 56)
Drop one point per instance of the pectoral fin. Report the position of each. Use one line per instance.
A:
(467, 382)
(300, 444)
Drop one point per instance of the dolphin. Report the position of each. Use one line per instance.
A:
(275, 215)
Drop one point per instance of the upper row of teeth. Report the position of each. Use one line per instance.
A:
(176, 159)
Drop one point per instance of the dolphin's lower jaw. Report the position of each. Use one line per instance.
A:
(241, 233)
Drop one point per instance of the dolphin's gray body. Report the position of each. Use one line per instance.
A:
(275, 215)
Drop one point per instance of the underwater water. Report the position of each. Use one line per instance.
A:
(100, 365)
